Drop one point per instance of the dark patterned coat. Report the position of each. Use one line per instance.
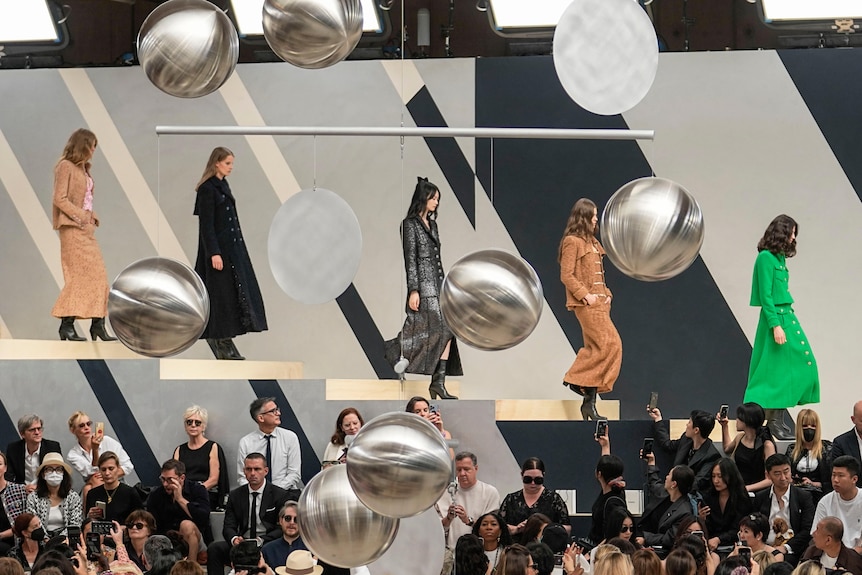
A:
(236, 304)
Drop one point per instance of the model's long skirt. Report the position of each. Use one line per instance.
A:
(598, 362)
(85, 293)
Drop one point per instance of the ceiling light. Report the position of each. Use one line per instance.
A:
(26, 21)
(799, 10)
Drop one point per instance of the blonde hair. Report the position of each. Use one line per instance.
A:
(763, 558)
(196, 410)
(218, 154)
(615, 563)
(73, 419)
(186, 567)
(79, 148)
(604, 549)
(809, 568)
(807, 417)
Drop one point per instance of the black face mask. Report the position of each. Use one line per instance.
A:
(808, 434)
(38, 534)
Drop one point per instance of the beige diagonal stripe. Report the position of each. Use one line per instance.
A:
(30, 210)
(123, 164)
(4, 330)
(264, 148)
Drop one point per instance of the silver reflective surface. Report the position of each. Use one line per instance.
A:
(337, 527)
(312, 33)
(652, 229)
(158, 307)
(419, 540)
(315, 246)
(188, 48)
(605, 54)
(492, 299)
(399, 464)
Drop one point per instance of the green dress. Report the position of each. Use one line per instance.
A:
(785, 375)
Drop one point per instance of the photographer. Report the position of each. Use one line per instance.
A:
(245, 559)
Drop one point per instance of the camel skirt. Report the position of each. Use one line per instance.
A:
(598, 362)
(85, 293)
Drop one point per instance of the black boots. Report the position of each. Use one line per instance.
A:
(588, 407)
(777, 426)
(224, 349)
(98, 331)
(438, 382)
(67, 330)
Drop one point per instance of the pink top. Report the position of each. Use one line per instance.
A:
(88, 197)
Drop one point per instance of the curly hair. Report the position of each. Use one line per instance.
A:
(776, 238)
(505, 537)
(580, 223)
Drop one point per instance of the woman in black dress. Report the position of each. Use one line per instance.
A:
(425, 340)
(751, 446)
(725, 503)
(223, 263)
(517, 506)
(204, 458)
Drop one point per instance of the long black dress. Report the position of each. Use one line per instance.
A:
(424, 335)
(236, 305)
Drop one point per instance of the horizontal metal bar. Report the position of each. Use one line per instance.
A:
(505, 133)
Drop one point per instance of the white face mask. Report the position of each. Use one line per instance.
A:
(54, 478)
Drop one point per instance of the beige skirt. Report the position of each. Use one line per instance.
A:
(598, 362)
(85, 294)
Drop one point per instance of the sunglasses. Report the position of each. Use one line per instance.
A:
(537, 480)
(290, 519)
(626, 529)
(84, 424)
(138, 525)
(194, 422)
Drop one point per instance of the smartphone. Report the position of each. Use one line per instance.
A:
(101, 505)
(100, 428)
(698, 533)
(653, 400)
(434, 409)
(601, 427)
(722, 413)
(94, 546)
(558, 559)
(647, 447)
(73, 533)
(745, 553)
(101, 527)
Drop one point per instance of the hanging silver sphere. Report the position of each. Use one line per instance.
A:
(188, 48)
(652, 229)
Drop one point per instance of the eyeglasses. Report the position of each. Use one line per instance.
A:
(53, 469)
(84, 424)
(194, 422)
(138, 525)
(167, 479)
(537, 480)
(273, 411)
(290, 518)
(34, 430)
(626, 529)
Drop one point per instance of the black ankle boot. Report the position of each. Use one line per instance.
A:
(777, 426)
(438, 382)
(588, 407)
(98, 331)
(230, 350)
(67, 330)
(216, 347)
(576, 388)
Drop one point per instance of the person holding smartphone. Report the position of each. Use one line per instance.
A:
(92, 442)
(113, 500)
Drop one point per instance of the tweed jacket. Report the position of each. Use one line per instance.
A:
(70, 187)
(13, 498)
(71, 507)
(422, 257)
(581, 270)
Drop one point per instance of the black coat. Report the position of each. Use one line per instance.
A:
(15, 458)
(701, 461)
(661, 516)
(801, 515)
(236, 304)
(236, 517)
(847, 444)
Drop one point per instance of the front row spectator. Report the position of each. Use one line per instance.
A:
(753, 532)
(54, 502)
(276, 552)
(180, 505)
(828, 549)
(668, 505)
(112, 501)
(517, 506)
(30, 537)
(845, 502)
(140, 525)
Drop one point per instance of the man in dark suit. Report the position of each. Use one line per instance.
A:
(24, 456)
(849, 443)
(668, 505)
(694, 448)
(789, 502)
(251, 513)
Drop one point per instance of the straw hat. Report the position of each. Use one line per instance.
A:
(299, 562)
(53, 459)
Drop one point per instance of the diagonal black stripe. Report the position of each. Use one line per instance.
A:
(449, 156)
(8, 429)
(122, 419)
(365, 330)
(271, 388)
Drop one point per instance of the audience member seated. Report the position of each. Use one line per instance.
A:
(140, 525)
(9, 566)
(609, 474)
(252, 513)
(786, 502)
(619, 524)
(13, 499)
(347, 425)
(517, 506)
(30, 540)
(753, 532)
(470, 558)
(724, 504)
(680, 562)
(763, 559)
(809, 568)
(782, 568)
(54, 502)
(59, 560)
(811, 456)
(163, 561)
(112, 501)
(92, 442)
(181, 505)
(668, 504)
(275, 552)
(422, 407)
(613, 564)
(751, 446)
(543, 557)
(491, 528)
(204, 459)
(646, 562)
(515, 560)
(692, 526)
(25, 455)
(696, 547)
(186, 567)
(694, 448)
(828, 549)
(280, 447)
(533, 529)
(850, 442)
(845, 501)
(733, 565)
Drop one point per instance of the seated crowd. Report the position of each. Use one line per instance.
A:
(750, 510)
